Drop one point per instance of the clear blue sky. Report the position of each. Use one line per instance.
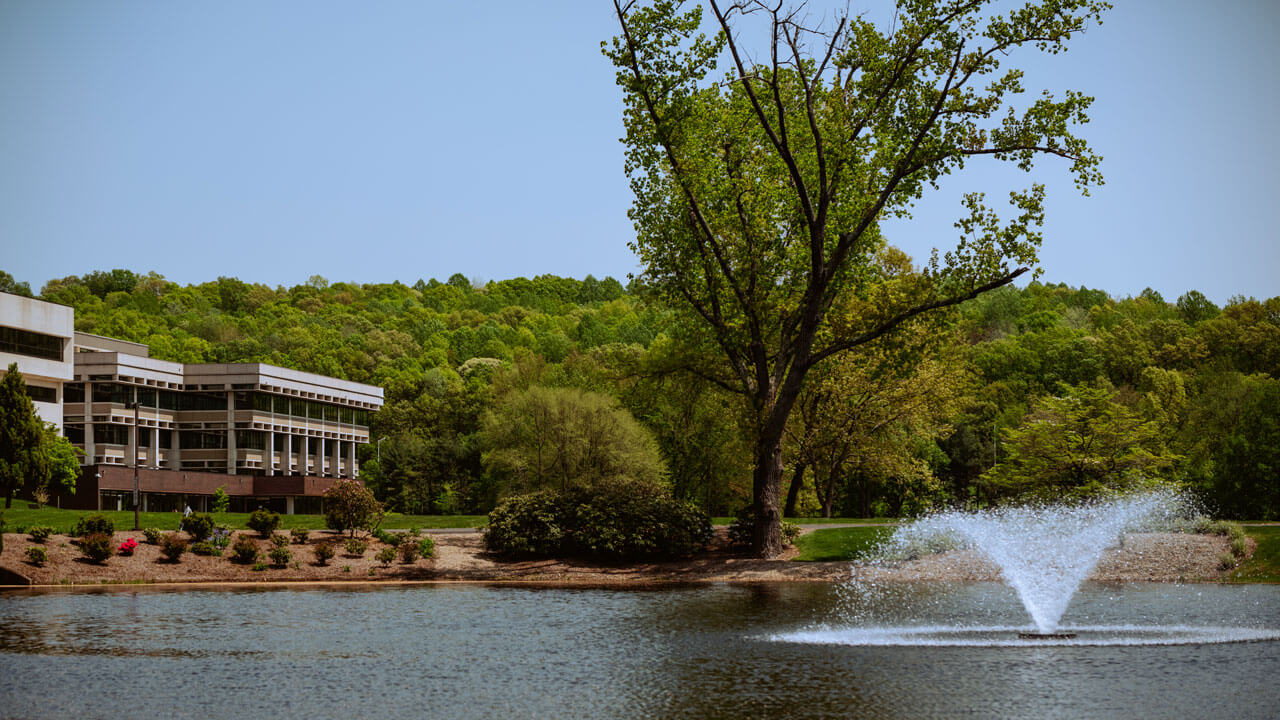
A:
(370, 142)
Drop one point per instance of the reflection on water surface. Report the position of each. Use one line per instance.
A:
(707, 651)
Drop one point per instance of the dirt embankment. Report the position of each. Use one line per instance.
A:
(1162, 557)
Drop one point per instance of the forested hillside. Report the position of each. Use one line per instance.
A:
(1043, 391)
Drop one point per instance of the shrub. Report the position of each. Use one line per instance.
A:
(152, 535)
(97, 547)
(627, 521)
(172, 546)
(350, 506)
(526, 525)
(259, 567)
(206, 548)
(39, 533)
(408, 551)
(324, 553)
(37, 555)
(1227, 561)
(386, 555)
(743, 528)
(385, 537)
(1240, 547)
(244, 551)
(280, 555)
(355, 547)
(128, 546)
(264, 521)
(94, 524)
(300, 535)
(427, 547)
(198, 525)
(279, 540)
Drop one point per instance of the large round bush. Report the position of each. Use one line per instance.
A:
(619, 522)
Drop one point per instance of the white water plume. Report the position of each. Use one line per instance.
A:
(1045, 552)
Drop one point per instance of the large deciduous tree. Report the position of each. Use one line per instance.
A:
(758, 195)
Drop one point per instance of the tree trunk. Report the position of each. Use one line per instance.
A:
(793, 493)
(766, 541)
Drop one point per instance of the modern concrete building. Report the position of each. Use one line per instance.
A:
(284, 435)
(37, 335)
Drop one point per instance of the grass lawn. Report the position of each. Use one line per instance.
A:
(1264, 566)
(817, 520)
(18, 519)
(840, 543)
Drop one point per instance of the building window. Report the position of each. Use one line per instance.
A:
(202, 440)
(280, 404)
(280, 440)
(74, 433)
(251, 439)
(42, 394)
(105, 434)
(202, 401)
(73, 392)
(112, 393)
(31, 344)
(345, 415)
(298, 408)
(315, 411)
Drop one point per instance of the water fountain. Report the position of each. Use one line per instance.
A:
(1044, 553)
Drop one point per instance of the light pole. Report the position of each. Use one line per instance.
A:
(136, 504)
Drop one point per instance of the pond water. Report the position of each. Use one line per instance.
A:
(740, 651)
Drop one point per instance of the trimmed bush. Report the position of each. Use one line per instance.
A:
(198, 525)
(629, 521)
(152, 535)
(280, 555)
(37, 555)
(300, 535)
(324, 553)
(386, 555)
(39, 533)
(244, 551)
(408, 552)
(92, 525)
(97, 547)
(355, 547)
(206, 548)
(172, 546)
(350, 506)
(279, 540)
(264, 521)
(1227, 561)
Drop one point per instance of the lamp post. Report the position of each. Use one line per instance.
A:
(136, 504)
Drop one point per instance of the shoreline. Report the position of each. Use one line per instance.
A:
(460, 559)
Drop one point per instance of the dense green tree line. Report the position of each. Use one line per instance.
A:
(1041, 391)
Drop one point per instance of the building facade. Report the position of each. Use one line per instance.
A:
(283, 434)
(38, 336)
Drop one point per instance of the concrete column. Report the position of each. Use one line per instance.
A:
(155, 447)
(337, 458)
(231, 432)
(305, 460)
(351, 459)
(288, 505)
(88, 424)
(271, 451)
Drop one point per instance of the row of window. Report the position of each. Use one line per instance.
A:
(42, 394)
(104, 434)
(31, 344)
(120, 394)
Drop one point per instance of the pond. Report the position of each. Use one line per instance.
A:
(741, 651)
